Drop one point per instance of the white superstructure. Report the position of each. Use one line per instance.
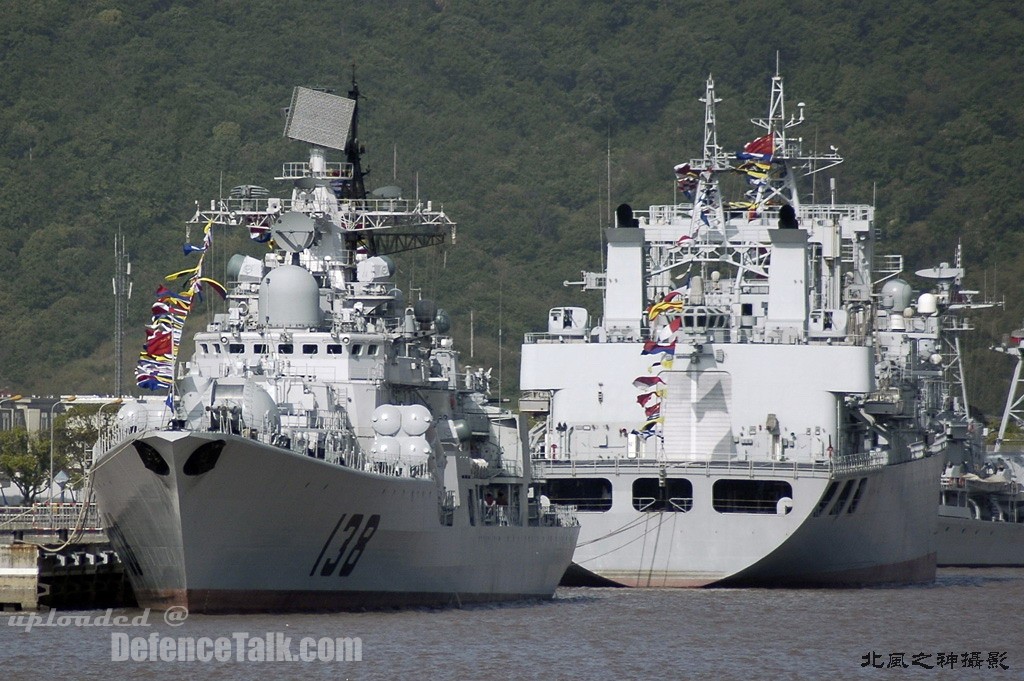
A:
(757, 403)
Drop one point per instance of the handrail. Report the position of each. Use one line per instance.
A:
(54, 516)
(730, 466)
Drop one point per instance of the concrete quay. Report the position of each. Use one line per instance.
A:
(58, 557)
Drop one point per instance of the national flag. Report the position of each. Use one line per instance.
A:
(160, 344)
(761, 149)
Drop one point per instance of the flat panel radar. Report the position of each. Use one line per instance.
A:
(319, 118)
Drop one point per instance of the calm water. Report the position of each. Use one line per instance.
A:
(594, 634)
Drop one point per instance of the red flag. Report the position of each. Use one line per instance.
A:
(159, 344)
(762, 145)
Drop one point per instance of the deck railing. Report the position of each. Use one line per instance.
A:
(49, 517)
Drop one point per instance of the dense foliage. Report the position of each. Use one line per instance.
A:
(119, 114)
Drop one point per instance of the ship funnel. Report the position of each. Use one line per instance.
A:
(787, 218)
(624, 216)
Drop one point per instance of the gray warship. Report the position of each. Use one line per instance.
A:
(760, 403)
(321, 449)
(981, 501)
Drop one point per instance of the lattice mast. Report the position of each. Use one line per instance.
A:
(122, 285)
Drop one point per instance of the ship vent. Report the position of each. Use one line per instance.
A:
(151, 458)
(204, 458)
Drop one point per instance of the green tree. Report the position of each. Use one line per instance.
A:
(74, 436)
(25, 460)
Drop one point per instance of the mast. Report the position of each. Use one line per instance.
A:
(707, 205)
(353, 152)
(711, 149)
(122, 293)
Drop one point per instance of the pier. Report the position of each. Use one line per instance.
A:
(57, 556)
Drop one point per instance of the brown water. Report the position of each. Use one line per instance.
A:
(595, 634)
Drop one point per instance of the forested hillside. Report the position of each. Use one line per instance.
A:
(117, 114)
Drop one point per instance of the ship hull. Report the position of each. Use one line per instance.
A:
(968, 542)
(269, 530)
(886, 537)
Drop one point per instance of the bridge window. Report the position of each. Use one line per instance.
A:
(286, 348)
(335, 349)
(236, 348)
(649, 495)
(310, 348)
(751, 496)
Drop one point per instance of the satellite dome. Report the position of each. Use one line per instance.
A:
(896, 294)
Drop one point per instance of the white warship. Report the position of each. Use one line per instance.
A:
(321, 449)
(758, 404)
